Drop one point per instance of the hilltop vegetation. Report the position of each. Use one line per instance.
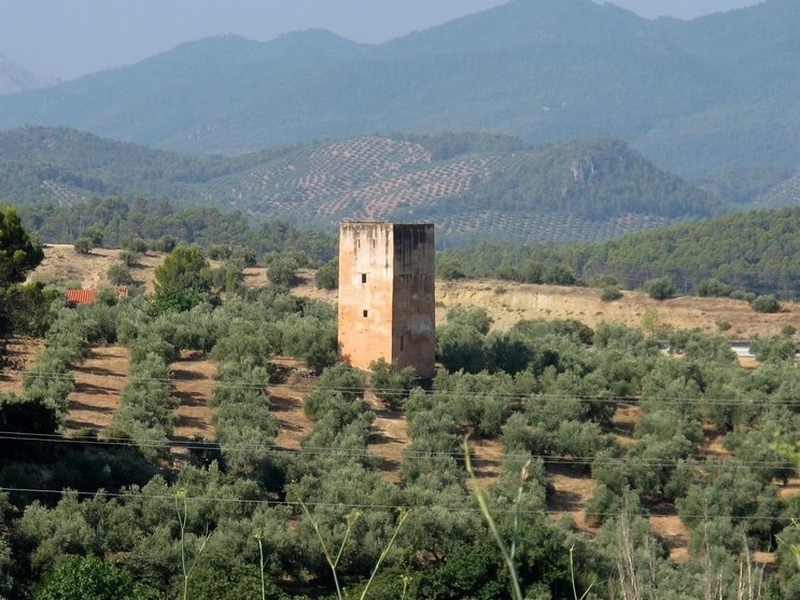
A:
(755, 252)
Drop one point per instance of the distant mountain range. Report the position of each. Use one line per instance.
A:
(473, 186)
(15, 78)
(715, 94)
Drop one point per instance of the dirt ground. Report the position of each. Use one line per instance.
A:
(99, 381)
(508, 303)
(22, 354)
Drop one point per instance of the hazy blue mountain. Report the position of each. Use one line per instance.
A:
(521, 23)
(15, 78)
(713, 94)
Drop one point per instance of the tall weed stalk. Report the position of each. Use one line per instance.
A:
(334, 562)
(181, 502)
(509, 554)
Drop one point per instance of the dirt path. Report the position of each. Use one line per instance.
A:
(22, 354)
(572, 491)
(387, 438)
(98, 384)
(193, 381)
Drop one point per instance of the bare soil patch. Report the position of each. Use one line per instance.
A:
(388, 437)
(508, 302)
(665, 522)
(99, 381)
(62, 265)
(487, 461)
(791, 489)
(626, 415)
(193, 381)
(286, 397)
(572, 491)
(21, 355)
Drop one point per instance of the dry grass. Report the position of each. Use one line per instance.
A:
(508, 303)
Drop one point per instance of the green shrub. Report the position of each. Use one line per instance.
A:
(166, 243)
(610, 293)
(765, 304)
(89, 577)
(327, 276)
(134, 244)
(83, 246)
(603, 281)
(742, 295)
(129, 258)
(450, 270)
(282, 271)
(714, 288)
(389, 383)
(119, 274)
(660, 288)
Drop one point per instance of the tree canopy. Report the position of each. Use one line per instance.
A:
(185, 268)
(19, 254)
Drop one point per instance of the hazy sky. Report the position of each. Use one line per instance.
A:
(68, 38)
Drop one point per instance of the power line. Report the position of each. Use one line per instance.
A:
(242, 384)
(459, 507)
(512, 458)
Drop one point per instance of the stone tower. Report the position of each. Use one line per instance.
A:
(386, 294)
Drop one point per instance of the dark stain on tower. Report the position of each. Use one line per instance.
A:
(386, 294)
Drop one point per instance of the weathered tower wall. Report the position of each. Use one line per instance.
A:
(413, 306)
(386, 294)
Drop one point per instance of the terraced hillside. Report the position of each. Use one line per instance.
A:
(470, 185)
(587, 190)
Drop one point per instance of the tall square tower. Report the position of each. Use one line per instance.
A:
(386, 294)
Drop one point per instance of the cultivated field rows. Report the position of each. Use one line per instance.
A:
(99, 380)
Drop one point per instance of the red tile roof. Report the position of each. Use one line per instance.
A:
(75, 297)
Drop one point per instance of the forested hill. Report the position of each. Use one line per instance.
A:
(470, 185)
(713, 94)
(758, 252)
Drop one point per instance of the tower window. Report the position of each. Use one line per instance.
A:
(363, 278)
(402, 340)
(364, 313)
